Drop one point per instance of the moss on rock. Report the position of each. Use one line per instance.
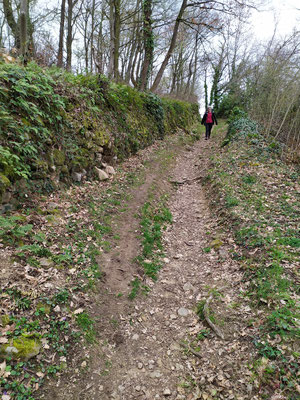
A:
(59, 157)
(4, 183)
(22, 348)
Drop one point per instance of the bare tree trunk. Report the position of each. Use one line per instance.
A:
(138, 68)
(192, 91)
(112, 39)
(86, 43)
(137, 53)
(171, 48)
(100, 46)
(148, 44)
(23, 30)
(190, 74)
(8, 12)
(69, 35)
(61, 34)
(117, 28)
(1, 32)
(92, 35)
(134, 44)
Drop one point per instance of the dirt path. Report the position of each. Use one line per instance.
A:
(157, 346)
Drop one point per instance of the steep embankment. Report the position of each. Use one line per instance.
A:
(256, 194)
(55, 126)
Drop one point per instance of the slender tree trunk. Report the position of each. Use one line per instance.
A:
(134, 43)
(9, 16)
(100, 45)
(174, 76)
(190, 74)
(61, 34)
(171, 48)
(138, 68)
(205, 89)
(193, 87)
(1, 32)
(23, 30)
(92, 35)
(69, 35)
(117, 29)
(148, 44)
(86, 43)
(112, 39)
(137, 53)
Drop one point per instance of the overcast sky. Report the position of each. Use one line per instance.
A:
(283, 11)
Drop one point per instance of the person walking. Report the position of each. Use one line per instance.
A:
(208, 120)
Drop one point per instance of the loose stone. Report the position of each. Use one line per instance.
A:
(183, 312)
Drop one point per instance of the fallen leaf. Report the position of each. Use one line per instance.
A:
(78, 311)
(2, 368)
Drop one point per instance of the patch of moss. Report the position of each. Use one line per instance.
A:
(5, 320)
(22, 348)
(43, 307)
(59, 157)
(216, 244)
(4, 183)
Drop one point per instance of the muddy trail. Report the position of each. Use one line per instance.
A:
(188, 337)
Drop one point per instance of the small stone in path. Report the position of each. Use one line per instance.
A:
(155, 374)
(183, 312)
(138, 388)
(166, 260)
(173, 316)
(187, 287)
(135, 337)
(140, 365)
(46, 262)
(167, 392)
(177, 256)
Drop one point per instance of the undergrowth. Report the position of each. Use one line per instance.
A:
(259, 193)
(53, 123)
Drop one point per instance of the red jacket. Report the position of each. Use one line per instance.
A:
(213, 118)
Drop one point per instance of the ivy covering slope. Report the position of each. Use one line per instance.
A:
(258, 193)
(53, 123)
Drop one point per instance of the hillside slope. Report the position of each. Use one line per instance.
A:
(55, 126)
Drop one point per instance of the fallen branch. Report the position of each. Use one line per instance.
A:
(217, 330)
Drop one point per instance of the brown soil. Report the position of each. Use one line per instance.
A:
(150, 348)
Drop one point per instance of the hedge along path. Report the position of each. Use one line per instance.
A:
(159, 345)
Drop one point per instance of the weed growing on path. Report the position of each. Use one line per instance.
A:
(154, 219)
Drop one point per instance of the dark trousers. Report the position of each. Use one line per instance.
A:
(208, 130)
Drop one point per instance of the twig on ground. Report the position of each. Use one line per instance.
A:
(188, 348)
(217, 330)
